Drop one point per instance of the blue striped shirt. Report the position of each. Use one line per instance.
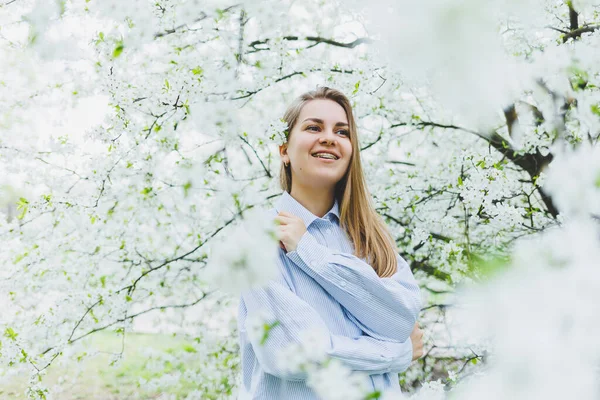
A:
(364, 320)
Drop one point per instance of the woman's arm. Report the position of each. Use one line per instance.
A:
(384, 308)
(294, 316)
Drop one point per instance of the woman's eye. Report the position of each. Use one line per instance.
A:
(315, 128)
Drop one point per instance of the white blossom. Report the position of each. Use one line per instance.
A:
(246, 257)
(135, 136)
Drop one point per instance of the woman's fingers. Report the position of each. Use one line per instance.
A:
(283, 219)
(287, 214)
(280, 219)
(416, 337)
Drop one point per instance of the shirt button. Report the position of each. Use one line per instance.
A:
(343, 283)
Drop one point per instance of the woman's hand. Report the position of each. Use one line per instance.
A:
(289, 231)
(416, 338)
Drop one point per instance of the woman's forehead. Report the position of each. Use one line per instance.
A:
(326, 110)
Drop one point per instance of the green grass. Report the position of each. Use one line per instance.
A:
(96, 379)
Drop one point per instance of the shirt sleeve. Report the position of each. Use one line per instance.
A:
(384, 308)
(293, 316)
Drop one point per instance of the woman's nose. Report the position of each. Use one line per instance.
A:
(326, 139)
(328, 136)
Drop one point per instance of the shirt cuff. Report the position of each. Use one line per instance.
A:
(309, 251)
(404, 359)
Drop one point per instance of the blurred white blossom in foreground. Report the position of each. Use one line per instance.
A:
(574, 180)
(541, 315)
(245, 257)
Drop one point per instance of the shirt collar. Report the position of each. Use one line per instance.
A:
(289, 204)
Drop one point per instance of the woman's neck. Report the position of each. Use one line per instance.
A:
(317, 201)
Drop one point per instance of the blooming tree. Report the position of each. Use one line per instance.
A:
(137, 136)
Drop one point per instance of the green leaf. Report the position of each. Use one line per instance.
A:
(189, 348)
(24, 354)
(186, 188)
(356, 86)
(93, 316)
(119, 49)
(22, 205)
(460, 181)
(10, 334)
(267, 329)
(374, 395)
(62, 6)
(20, 257)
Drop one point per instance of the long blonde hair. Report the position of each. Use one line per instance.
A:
(366, 229)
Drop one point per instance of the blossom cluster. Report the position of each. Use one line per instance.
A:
(136, 137)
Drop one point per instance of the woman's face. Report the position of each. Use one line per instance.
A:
(322, 127)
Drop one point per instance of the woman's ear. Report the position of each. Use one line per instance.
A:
(283, 153)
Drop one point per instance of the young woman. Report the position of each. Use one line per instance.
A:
(341, 277)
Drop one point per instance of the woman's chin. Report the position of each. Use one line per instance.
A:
(323, 180)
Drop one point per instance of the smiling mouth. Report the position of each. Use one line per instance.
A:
(325, 156)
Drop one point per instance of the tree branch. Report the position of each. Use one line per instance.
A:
(441, 306)
(257, 156)
(431, 271)
(171, 31)
(130, 288)
(128, 317)
(573, 17)
(510, 114)
(576, 34)
(373, 142)
(240, 54)
(531, 163)
(422, 124)
(290, 75)
(202, 17)
(316, 39)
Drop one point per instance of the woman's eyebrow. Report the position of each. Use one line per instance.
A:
(320, 121)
